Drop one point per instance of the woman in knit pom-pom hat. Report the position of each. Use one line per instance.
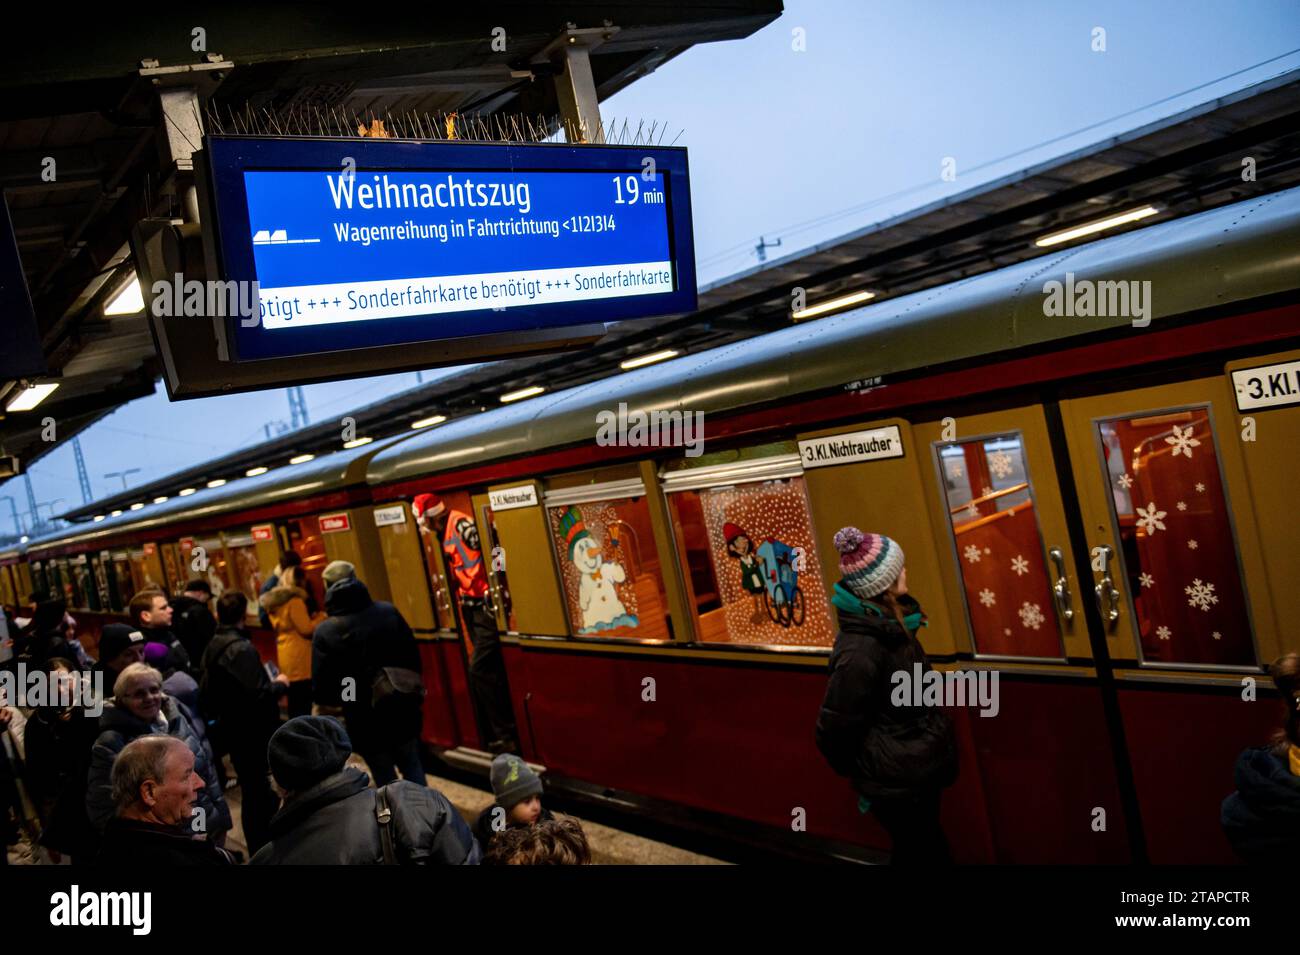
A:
(899, 757)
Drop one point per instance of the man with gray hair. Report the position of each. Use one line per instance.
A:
(154, 787)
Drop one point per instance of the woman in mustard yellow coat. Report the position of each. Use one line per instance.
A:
(286, 605)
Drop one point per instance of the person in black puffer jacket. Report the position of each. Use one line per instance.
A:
(330, 813)
(1262, 818)
(140, 708)
(58, 742)
(360, 637)
(898, 758)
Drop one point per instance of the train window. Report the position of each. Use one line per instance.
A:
(745, 534)
(103, 591)
(305, 538)
(609, 566)
(218, 573)
(40, 580)
(83, 584)
(173, 569)
(998, 547)
(246, 575)
(1174, 525)
(123, 580)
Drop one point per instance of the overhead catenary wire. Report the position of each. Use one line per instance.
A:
(807, 224)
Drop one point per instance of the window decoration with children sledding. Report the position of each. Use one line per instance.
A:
(610, 572)
(1173, 523)
(752, 556)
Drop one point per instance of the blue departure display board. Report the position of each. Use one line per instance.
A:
(365, 243)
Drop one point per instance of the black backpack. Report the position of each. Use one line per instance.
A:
(397, 701)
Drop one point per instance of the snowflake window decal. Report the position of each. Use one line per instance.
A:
(1152, 520)
(987, 597)
(1200, 487)
(1181, 505)
(1163, 633)
(1192, 545)
(1200, 595)
(1146, 580)
(972, 553)
(1031, 616)
(1020, 565)
(1000, 464)
(1182, 441)
(1125, 481)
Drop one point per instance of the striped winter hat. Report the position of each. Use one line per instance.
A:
(869, 563)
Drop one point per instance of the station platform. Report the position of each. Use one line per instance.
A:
(609, 845)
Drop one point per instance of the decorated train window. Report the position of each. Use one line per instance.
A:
(217, 573)
(245, 574)
(745, 536)
(609, 566)
(999, 548)
(1174, 525)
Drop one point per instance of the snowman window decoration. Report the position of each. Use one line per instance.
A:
(598, 597)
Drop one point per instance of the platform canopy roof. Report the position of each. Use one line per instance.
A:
(86, 97)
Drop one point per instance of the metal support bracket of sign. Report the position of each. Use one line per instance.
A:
(575, 87)
(181, 91)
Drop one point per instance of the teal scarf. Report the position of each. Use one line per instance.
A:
(851, 603)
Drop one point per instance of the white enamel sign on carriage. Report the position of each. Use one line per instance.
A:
(849, 448)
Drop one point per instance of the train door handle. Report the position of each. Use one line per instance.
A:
(1107, 594)
(1061, 589)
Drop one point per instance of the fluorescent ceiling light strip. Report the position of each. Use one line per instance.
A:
(25, 399)
(1088, 228)
(529, 392)
(254, 472)
(128, 300)
(217, 482)
(302, 459)
(832, 304)
(428, 422)
(357, 442)
(650, 359)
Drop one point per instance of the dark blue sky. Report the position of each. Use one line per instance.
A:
(804, 146)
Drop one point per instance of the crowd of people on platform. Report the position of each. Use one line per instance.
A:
(143, 780)
(137, 775)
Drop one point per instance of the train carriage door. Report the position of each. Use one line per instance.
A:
(1183, 492)
(426, 609)
(1046, 758)
(996, 501)
(494, 557)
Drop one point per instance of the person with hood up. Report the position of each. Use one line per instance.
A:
(1262, 818)
(331, 816)
(368, 642)
(140, 708)
(286, 604)
(58, 741)
(899, 758)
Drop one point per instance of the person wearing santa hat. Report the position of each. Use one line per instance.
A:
(458, 535)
